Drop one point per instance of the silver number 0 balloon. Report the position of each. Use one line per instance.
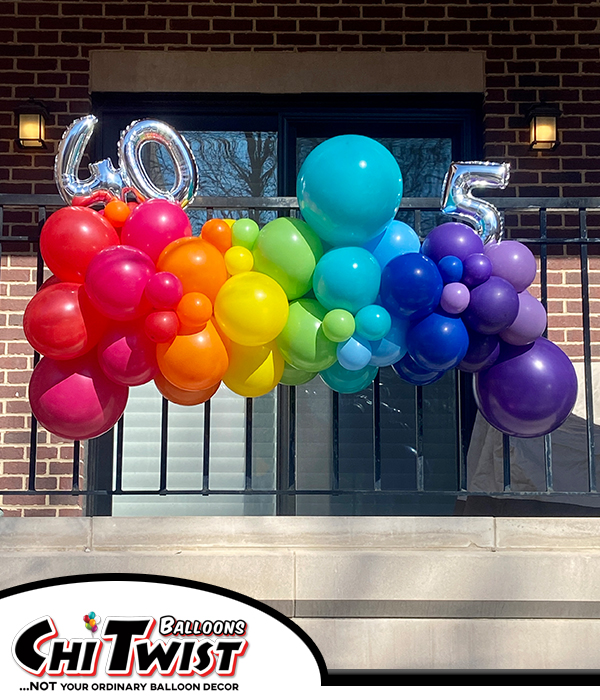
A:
(106, 182)
(457, 200)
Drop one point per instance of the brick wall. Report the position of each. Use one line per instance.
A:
(541, 49)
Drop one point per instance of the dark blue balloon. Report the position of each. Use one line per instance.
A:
(451, 269)
(413, 373)
(438, 342)
(411, 286)
(483, 351)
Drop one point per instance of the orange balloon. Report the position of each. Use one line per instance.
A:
(217, 232)
(194, 362)
(193, 311)
(117, 212)
(197, 263)
(181, 396)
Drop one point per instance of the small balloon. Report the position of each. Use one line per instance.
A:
(392, 348)
(193, 311)
(164, 290)
(95, 628)
(117, 212)
(161, 326)
(451, 238)
(354, 354)
(455, 298)
(438, 342)
(513, 262)
(238, 259)
(244, 232)
(338, 325)
(347, 382)
(86, 618)
(217, 232)
(477, 270)
(373, 322)
(451, 269)
(493, 306)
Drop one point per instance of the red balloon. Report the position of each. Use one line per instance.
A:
(74, 399)
(61, 322)
(153, 225)
(116, 280)
(127, 355)
(161, 326)
(164, 290)
(71, 238)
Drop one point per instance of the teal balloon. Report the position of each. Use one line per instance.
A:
(397, 239)
(354, 354)
(392, 348)
(347, 278)
(373, 322)
(347, 382)
(349, 189)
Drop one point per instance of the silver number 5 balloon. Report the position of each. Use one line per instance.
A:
(461, 179)
(106, 182)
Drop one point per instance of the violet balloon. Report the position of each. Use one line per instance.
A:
(513, 262)
(483, 351)
(127, 355)
(455, 298)
(477, 269)
(530, 322)
(529, 391)
(451, 238)
(493, 307)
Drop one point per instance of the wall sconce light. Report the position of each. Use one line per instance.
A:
(31, 120)
(542, 127)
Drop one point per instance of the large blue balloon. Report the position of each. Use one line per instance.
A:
(438, 342)
(347, 382)
(413, 373)
(411, 286)
(397, 239)
(347, 278)
(392, 348)
(349, 189)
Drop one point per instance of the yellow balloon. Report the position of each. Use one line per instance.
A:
(254, 371)
(238, 259)
(229, 222)
(251, 309)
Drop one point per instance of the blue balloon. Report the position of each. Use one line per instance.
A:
(373, 322)
(354, 354)
(413, 373)
(397, 239)
(349, 189)
(392, 348)
(451, 269)
(438, 342)
(346, 382)
(347, 278)
(411, 286)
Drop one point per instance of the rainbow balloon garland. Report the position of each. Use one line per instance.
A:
(135, 297)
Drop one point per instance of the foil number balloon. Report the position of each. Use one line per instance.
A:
(106, 182)
(461, 179)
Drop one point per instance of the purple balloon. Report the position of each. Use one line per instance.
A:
(529, 391)
(513, 261)
(483, 351)
(493, 307)
(451, 239)
(455, 298)
(529, 324)
(413, 373)
(477, 269)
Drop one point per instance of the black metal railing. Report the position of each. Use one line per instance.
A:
(414, 210)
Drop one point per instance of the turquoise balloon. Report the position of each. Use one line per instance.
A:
(392, 348)
(397, 239)
(346, 382)
(373, 322)
(347, 278)
(349, 189)
(354, 354)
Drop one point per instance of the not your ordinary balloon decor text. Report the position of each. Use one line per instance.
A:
(135, 297)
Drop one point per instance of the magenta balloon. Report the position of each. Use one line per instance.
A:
(153, 225)
(455, 298)
(477, 269)
(493, 307)
(127, 355)
(74, 399)
(483, 351)
(529, 391)
(164, 290)
(530, 322)
(115, 282)
(451, 238)
(512, 261)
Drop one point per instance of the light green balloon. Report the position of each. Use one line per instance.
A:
(339, 325)
(295, 377)
(287, 250)
(244, 232)
(302, 341)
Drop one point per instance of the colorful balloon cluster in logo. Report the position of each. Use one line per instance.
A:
(91, 622)
(135, 298)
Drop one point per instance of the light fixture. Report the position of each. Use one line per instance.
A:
(31, 121)
(542, 127)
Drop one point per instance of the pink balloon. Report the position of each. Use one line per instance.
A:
(164, 290)
(153, 225)
(127, 355)
(115, 282)
(74, 399)
(161, 326)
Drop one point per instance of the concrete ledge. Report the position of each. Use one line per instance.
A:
(547, 533)
(45, 534)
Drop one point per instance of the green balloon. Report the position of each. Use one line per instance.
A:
(244, 232)
(339, 325)
(288, 250)
(295, 377)
(302, 341)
